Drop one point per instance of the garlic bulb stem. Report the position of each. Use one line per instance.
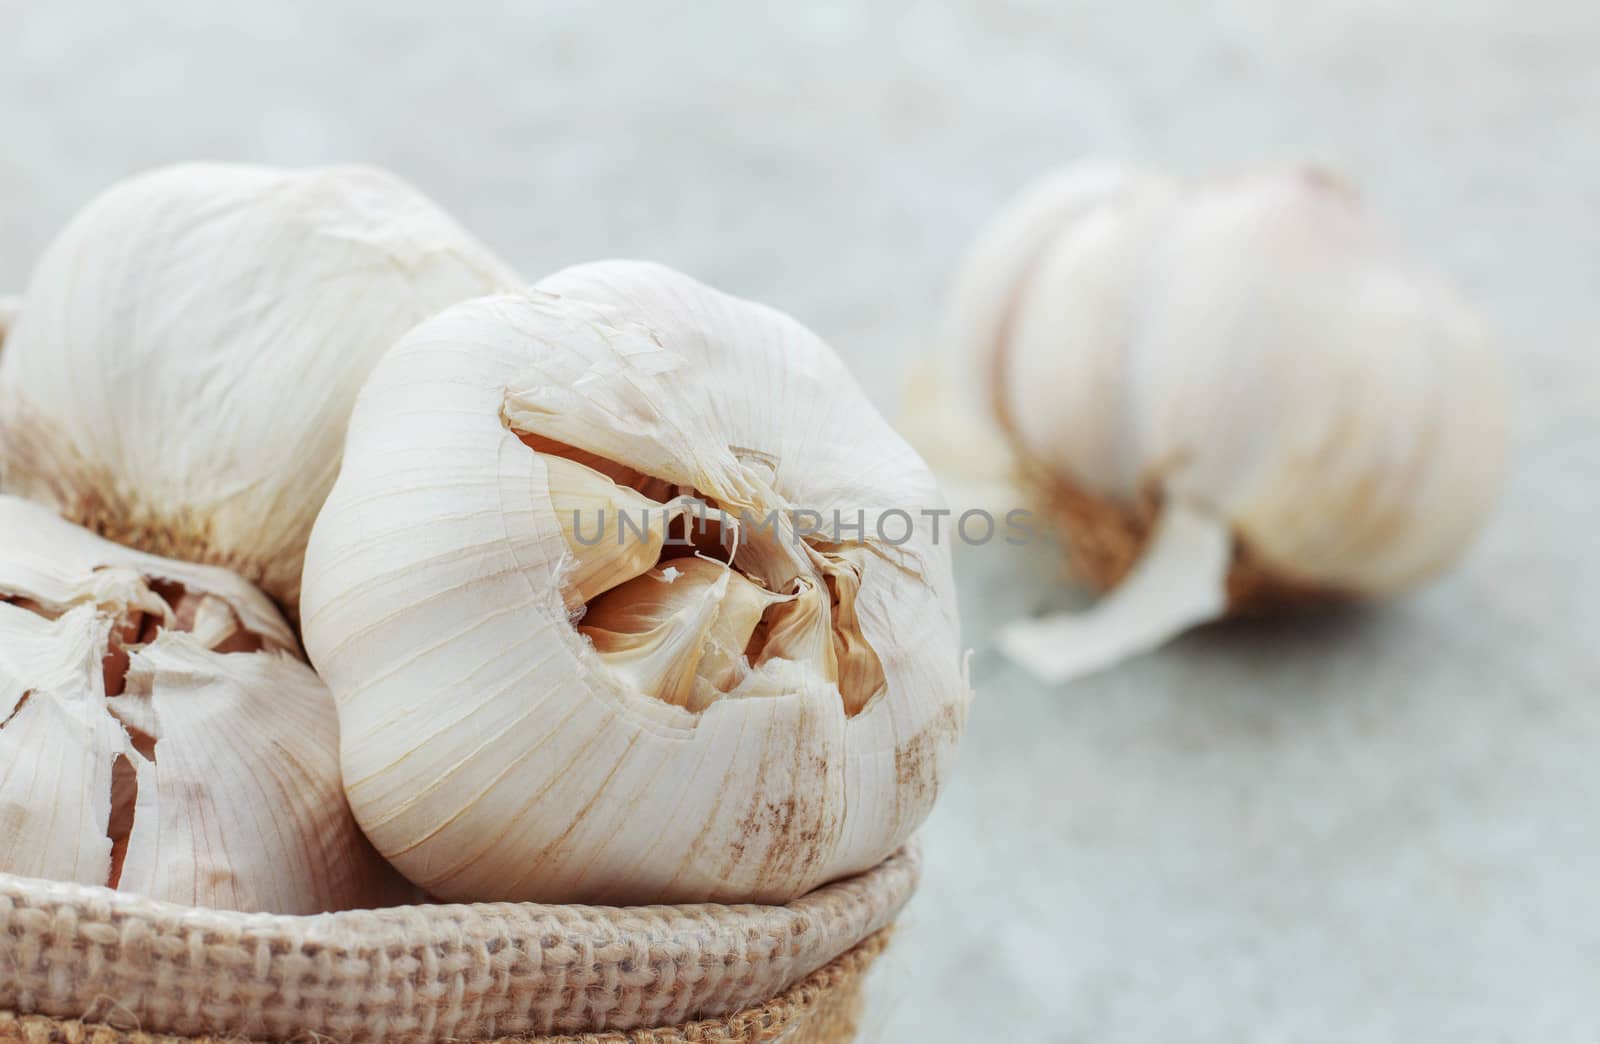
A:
(613, 532)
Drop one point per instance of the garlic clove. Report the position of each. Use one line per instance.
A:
(1079, 310)
(664, 660)
(802, 632)
(725, 658)
(154, 740)
(1002, 263)
(679, 632)
(193, 340)
(613, 532)
(214, 624)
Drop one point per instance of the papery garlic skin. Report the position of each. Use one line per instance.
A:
(1252, 346)
(192, 343)
(491, 750)
(147, 758)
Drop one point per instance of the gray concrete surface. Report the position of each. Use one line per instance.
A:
(1370, 827)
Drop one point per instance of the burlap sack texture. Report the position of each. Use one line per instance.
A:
(90, 964)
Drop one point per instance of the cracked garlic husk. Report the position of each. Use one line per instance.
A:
(1234, 394)
(188, 349)
(716, 707)
(159, 734)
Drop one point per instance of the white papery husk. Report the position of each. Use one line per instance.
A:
(488, 752)
(181, 374)
(1255, 356)
(237, 805)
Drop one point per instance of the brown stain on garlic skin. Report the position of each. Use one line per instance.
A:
(782, 840)
(918, 760)
(748, 824)
(785, 841)
(789, 838)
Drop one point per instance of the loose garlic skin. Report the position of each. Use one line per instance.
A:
(498, 746)
(1253, 347)
(159, 734)
(189, 347)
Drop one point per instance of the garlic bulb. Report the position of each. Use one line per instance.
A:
(586, 643)
(1233, 393)
(181, 375)
(9, 307)
(159, 735)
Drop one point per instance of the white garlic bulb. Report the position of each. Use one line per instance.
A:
(539, 702)
(9, 307)
(158, 733)
(1233, 392)
(181, 374)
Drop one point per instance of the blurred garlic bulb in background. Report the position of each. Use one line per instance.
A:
(9, 307)
(1231, 393)
(159, 735)
(181, 373)
(540, 701)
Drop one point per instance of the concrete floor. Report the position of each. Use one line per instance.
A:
(1368, 827)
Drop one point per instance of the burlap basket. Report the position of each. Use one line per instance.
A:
(90, 964)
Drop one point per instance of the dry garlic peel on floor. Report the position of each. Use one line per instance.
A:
(682, 729)
(1234, 393)
(159, 735)
(181, 374)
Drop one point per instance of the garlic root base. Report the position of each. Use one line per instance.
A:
(1106, 539)
(1162, 568)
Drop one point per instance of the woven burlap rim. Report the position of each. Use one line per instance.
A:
(422, 973)
(825, 1008)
